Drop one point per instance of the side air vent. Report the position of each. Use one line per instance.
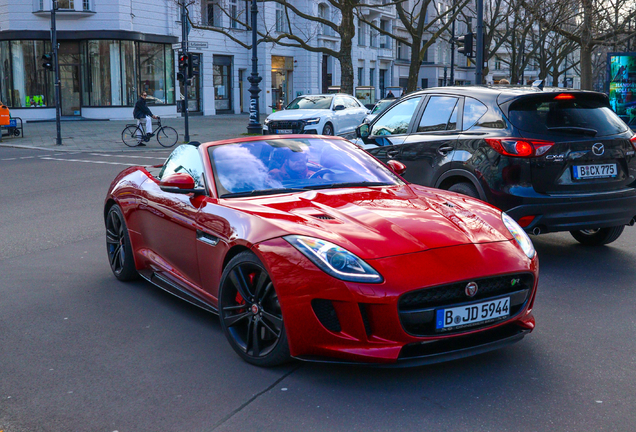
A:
(323, 216)
(326, 314)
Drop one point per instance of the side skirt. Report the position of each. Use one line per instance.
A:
(175, 289)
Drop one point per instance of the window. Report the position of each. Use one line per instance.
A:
(497, 63)
(87, 5)
(339, 100)
(397, 119)
(402, 51)
(351, 103)
(323, 12)
(425, 59)
(424, 83)
(384, 39)
(372, 77)
(362, 28)
(280, 16)
(213, 14)
(102, 78)
(440, 114)
(374, 37)
(151, 71)
(360, 76)
(473, 111)
(184, 159)
(234, 13)
(23, 80)
(66, 4)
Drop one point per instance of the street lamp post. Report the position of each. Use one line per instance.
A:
(56, 65)
(254, 126)
(184, 50)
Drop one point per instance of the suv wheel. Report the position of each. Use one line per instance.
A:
(598, 237)
(465, 189)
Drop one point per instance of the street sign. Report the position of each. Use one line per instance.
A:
(191, 45)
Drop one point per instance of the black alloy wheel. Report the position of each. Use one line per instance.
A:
(328, 129)
(599, 236)
(118, 246)
(250, 312)
(465, 189)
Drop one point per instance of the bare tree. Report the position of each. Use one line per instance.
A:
(589, 23)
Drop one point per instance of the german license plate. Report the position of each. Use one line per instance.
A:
(594, 171)
(284, 131)
(472, 314)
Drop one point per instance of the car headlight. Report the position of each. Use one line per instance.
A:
(267, 121)
(312, 121)
(519, 234)
(334, 260)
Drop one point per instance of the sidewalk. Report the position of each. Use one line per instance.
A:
(88, 135)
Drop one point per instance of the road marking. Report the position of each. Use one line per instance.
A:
(27, 157)
(9, 159)
(128, 156)
(88, 161)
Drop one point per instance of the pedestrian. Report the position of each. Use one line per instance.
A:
(390, 95)
(141, 112)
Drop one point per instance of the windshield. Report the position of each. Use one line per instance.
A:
(310, 102)
(572, 113)
(381, 106)
(294, 164)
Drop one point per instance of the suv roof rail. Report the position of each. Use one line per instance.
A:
(538, 84)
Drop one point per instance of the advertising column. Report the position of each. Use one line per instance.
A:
(622, 86)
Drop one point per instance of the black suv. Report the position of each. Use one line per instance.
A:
(553, 159)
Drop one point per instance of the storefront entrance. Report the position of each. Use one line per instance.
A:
(70, 85)
(282, 68)
(223, 84)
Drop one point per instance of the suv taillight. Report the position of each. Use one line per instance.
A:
(633, 141)
(519, 147)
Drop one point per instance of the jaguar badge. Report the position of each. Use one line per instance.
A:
(471, 289)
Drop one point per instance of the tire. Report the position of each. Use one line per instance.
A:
(598, 237)
(167, 136)
(465, 189)
(120, 255)
(328, 129)
(250, 312)
(129, 136)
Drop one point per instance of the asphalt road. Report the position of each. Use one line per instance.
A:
(80, 351)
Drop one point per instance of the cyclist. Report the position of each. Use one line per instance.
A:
(141, 112)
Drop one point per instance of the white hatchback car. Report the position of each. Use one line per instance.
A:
(331, 114)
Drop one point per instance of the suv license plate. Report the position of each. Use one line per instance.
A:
(477, 313)
(284, 131)
(594, 171)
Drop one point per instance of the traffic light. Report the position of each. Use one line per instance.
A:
(180, 76)
(465, 45)
(184, 62)
(47, 61)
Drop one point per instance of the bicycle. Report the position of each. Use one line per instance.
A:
(135, 134)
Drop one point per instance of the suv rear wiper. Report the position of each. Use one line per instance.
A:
(262, 192)
(585, 131)
(350, 184)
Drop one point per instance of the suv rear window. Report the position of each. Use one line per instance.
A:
(541, 114)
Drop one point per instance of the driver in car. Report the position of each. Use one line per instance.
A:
(294, 167)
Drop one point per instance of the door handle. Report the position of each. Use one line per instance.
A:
(392, 153)
(444, 149)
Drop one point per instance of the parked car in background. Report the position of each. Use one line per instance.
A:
(308, 247)
(553, 159)
(379, 107)
(331, 114)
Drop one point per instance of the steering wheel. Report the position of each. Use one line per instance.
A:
(320, 173)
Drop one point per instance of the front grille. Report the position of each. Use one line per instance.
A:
(295, 126)
(417, 308)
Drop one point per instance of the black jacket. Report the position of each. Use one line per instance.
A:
(141, 109)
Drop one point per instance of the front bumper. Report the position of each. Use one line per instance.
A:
(366, 325)
(576, 212)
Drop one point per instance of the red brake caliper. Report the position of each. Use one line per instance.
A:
(239, 298)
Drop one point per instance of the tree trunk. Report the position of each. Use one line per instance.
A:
(586, 45)
(346, 31)
(414, 67)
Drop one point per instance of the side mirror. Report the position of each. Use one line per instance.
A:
(397, 167)
(338, 107)
(362, 131)
(181, 183)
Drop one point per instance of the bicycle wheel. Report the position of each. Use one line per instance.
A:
(129, 136)
(167, 136)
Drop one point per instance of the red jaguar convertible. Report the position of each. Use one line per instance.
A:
(307, 247)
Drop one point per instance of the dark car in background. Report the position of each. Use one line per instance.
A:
(553, 159)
